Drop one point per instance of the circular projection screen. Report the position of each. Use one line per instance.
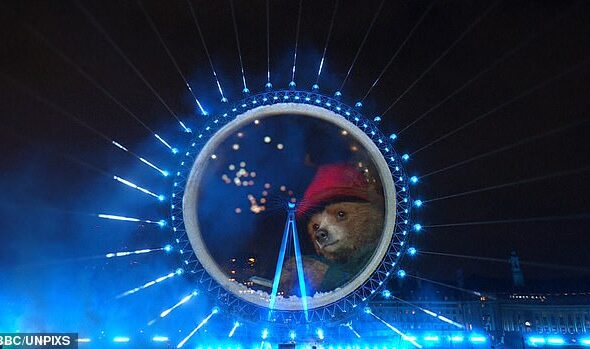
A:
(236, 201)
(290, 204)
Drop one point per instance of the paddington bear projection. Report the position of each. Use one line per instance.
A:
(343, 213)
(249, 183)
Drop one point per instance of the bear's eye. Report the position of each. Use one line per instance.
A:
(341, 214)
(316, 227)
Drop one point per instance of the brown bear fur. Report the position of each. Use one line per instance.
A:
(352, 227)
(314, 271)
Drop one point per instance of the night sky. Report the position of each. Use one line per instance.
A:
(56, 174)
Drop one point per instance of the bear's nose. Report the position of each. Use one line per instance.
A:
(321, 235)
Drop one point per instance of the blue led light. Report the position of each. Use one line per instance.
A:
(431, 338)
(358, 104)
(174, 150)
(555, 341)
(268, 86)
(162, 223)
(386, 294)
(315, 87)
(168, 248)
(198, 327)
(264, 334)
(377, 119)
(160, 339)
(417, 227)
(181, 302)
(414, 179)
(163, 141)
(233, 329)
(320, 333)
(418, 203)
(126, 219)
(121, 339)
(164, 173)
(137, 187)
(477, 339)
(292, 335)
(405, 157)
(456, 339)
(412, 251)
(401, 273)
(186, 129)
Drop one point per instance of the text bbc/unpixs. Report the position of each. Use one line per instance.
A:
(38, 340)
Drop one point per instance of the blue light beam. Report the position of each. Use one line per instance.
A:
(161, 223)
(150, 283)
(482, 339)
(173, 150)
(394, 329)
(181, 302)
(186, 129)
(327, 41)
(233, 15)
(233, 329)
(196, 21)
(279, 268)
(201, 324)
(296, 43)
(163, 172)
(137, 187)
(299, 261)
(203, 111)
(121, 339)
(290, 229)
(349, 326)
(120, 146)
(129, 253)
(431, 313)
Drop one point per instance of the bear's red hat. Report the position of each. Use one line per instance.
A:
(331, 182)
